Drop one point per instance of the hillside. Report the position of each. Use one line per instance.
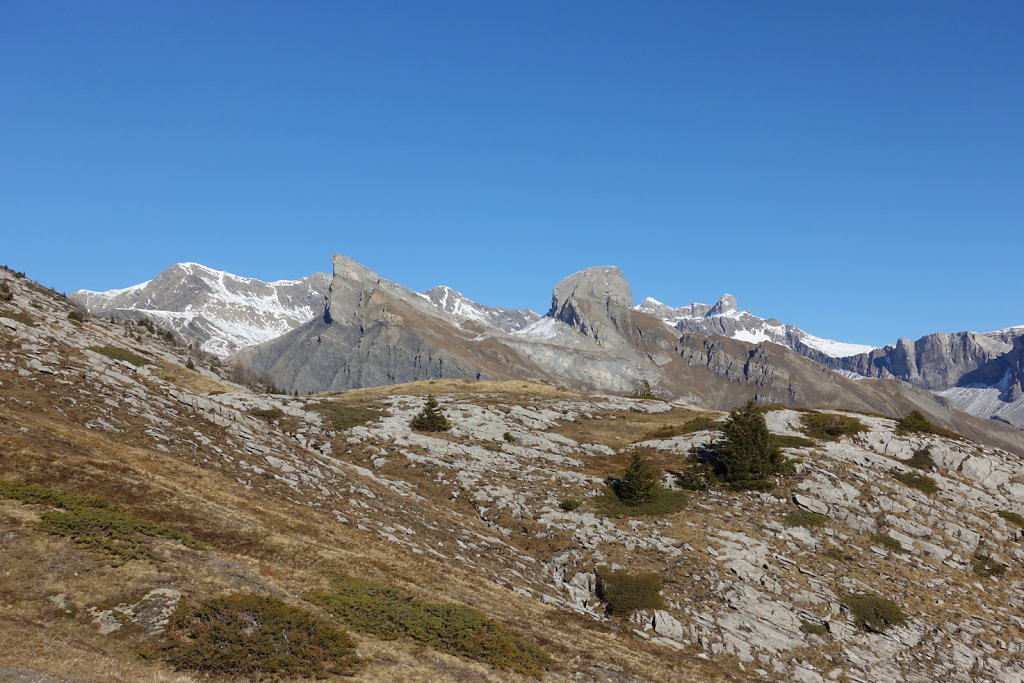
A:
(270, 494)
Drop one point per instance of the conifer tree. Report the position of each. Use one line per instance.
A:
(639, 483)
(431, 418)
(748, 453)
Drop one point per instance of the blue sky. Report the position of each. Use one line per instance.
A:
(853, 168)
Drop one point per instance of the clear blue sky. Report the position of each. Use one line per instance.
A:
(854, 168)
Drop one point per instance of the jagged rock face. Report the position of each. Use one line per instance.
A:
(593, 301)
(219, 311)
(981, 373)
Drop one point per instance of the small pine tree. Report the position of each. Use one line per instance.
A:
(431, 418)
(639, 483)
(748, 453)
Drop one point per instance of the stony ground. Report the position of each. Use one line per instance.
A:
(473, 515)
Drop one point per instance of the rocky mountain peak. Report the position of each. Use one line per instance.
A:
(592, 300)
(726, 304)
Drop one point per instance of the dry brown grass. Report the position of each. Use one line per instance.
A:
(617, 429)
(189, 380)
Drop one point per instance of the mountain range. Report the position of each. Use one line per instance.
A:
(589, 340)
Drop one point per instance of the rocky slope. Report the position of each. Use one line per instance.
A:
(278, 492)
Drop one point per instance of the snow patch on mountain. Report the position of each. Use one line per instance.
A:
(725, 318)
(504, 319)
(219, 311)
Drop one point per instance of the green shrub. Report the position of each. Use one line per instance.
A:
(342, 417)
(748, 455)
(5, 292)
(792, 441)
(915, 422)
(887, 541)
(638, 492)
(269, 413)
(1012, 517)
(389, 614)
(431, 418)
(697, 424)
(986, 565)
(569, 504)
(190, 364)
(508, 437)
(814, 628)
(830, 427)
(39, 495)
(256, 637)
(873, 612)
(76, 316)
(803, 518)
(23, 318)
(921, 482)
(921, 459)
(663, 503)
(117, 353)
(94, 524)
(624, 593)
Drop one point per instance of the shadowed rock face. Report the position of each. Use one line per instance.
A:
(981, 373)
(375, 332)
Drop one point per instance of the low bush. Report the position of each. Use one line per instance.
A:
(256, 637)
(269, 413)
(697, 424)
(814, 628)
(791, 441)
(986, 565)
(830, 427)
(569, 504)
(39, 495)
(803, 518)
(341, 417)
(922, 459)
(663, 503)
(873, 612)
(5, 292)
(117, 353)
(389, 614)
(508, 437)
(888, 542)
(1012, 517)
(76, 316)
(915, 422)
(94, 524)
(637, 492)
(921, 482)
(624, 593)
(23, 318)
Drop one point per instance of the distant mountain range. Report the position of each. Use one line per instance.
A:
(591, 338)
